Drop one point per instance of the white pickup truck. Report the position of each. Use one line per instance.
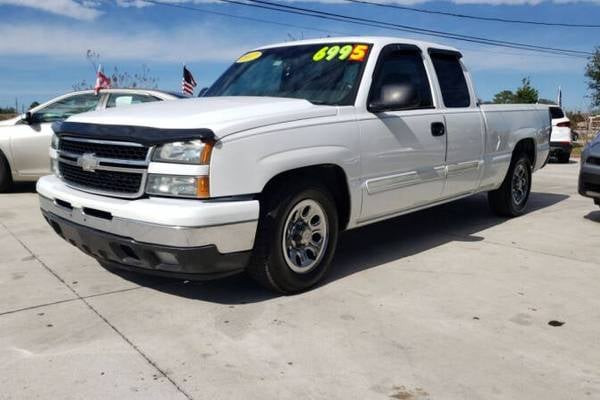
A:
(292, 144)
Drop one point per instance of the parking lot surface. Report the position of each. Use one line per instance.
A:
(446, 303)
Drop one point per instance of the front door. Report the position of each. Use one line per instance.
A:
(403, 155)
(30, 142)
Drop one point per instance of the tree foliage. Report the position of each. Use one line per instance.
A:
(592, 73)
(525, 94)
(504, 97)
(118, 79)
(576, 117)
(541, 100)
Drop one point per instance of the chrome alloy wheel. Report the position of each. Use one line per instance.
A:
(305, 236)
(520, 184)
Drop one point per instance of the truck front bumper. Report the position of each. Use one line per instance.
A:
(191, 239)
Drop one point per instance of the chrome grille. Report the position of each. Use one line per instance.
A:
(104, 150)
(110, 168)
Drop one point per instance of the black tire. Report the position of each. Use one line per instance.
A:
(510, 199)
(5, 175)
(268, 265)
(564, 158)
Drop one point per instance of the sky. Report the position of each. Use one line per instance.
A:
(43, 43)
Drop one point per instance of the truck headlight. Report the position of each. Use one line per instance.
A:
(189, 152)
(177, 185)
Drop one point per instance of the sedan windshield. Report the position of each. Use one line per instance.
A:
(326, 73)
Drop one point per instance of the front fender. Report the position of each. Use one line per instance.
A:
(245, 165)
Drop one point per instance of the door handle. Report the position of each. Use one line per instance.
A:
(438, 129)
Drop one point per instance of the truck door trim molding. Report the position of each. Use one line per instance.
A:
(405, 179)
(463, 167)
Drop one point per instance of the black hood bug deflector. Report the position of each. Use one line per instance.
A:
(144, 135)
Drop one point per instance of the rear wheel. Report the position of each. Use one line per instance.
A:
(5, 176)
(510, 199)
(564, 157)
(296, 238)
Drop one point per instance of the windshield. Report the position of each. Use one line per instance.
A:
(326, 73)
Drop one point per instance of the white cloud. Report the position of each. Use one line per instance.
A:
(485, 59)
(182, 44)
(151, 46)
(84, 10)
(142, 3)
(90, 9)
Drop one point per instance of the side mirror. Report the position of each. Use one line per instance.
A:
(395, 96)
(28, 118)
(202, 91)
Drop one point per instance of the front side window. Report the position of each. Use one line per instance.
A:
(120, 100)
(451, 77)
(327, 73)
(402, 67)
(66, 107)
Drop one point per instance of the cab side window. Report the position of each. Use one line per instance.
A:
(451, 77)
(121, 100)
(402, 67)
(66, 107)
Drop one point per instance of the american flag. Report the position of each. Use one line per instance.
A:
(188, 83)
(102, 81)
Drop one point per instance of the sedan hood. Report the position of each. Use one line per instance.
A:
(10, 122)
(221, 115)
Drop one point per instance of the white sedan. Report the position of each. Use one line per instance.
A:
(24, 140)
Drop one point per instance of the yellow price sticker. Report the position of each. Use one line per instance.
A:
(356, 52)
(253, 55)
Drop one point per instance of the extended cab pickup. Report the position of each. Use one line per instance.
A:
(292, 144)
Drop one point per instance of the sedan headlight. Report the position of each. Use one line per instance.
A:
(54, 167)
(189, 152)
(54, 142)
(54, 155)
(180, 186)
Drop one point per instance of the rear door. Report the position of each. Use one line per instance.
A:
(403, 162)
(465, 127)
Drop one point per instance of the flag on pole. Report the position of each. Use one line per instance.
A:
(102, 81)
(559, 97)
(188, 83)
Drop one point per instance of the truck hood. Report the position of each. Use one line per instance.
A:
(222, 115)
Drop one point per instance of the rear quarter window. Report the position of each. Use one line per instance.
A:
(451, 78)
(556, 112)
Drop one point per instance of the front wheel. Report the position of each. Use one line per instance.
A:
(5, 176)
(296, 238)
(510, 199)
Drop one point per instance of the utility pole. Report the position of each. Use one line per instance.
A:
(16, 105)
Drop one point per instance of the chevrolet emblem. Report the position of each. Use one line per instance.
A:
(88, 162)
